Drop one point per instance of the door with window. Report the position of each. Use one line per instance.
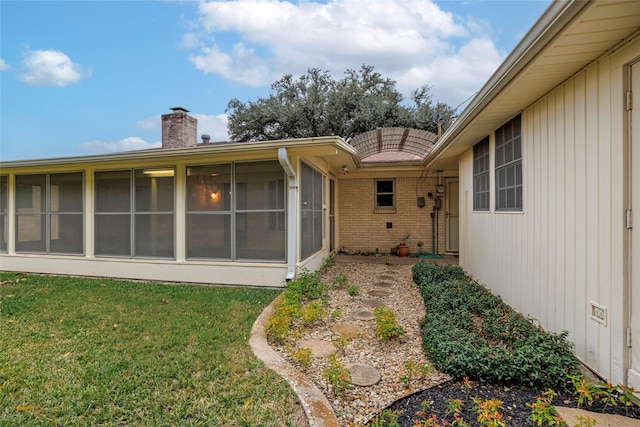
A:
(452, 214)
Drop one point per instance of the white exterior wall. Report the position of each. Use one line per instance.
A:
(567, 248)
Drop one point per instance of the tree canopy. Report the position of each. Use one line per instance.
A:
(318, 105)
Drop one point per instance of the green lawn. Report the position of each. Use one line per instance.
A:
(77, 351)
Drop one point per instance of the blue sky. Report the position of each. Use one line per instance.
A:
(89, 77)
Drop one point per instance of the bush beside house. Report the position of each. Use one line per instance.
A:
(471, 333)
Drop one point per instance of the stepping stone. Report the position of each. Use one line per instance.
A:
(373, 303)
(379, 293)
(347, 330)
(383, 284)
(319, 348)
(385, 277)
(363, 375)
(362, 314)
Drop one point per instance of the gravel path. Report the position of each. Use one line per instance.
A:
(359, 403)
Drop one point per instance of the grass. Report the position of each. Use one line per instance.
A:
(76, 351)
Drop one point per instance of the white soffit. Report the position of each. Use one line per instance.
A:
(593, 29)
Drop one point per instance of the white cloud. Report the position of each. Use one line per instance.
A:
(241, 65)
(410, 41)
(51, 68)
(127, 144)
(153, 122)
(3, 65)
(214, 126)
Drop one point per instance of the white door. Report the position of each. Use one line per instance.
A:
(634, 373)
(452, 216)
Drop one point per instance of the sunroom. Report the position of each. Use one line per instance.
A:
(245, 214)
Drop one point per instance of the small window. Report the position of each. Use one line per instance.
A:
(481, 175)
(385, 195)
(508, 158)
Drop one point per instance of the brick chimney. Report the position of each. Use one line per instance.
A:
(179, 129)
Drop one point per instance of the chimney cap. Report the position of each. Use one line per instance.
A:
(179, 110)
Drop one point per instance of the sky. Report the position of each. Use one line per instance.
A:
(90, 77)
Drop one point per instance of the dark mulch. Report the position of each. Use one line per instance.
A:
(514, 401)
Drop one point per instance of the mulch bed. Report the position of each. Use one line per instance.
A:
(514, 400)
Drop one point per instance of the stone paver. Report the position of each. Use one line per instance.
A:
(385, 278)
(379, 293)
(383, 284)
(363, 375)
(373, 303)
(347, 330)
(362, 314)
(319, 348)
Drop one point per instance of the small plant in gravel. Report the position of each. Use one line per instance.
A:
(328, 261)
(353, 291)
(543, 412)
(340, 343)
(306, 287)
(411, 370)
(340, 280)
(303, 357)
(387, 326)
(386, 418)
(335, 313)
(311, 312)
(338, 377)
(488, 412)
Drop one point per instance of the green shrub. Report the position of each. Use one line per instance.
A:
(353, 291)
(387, 326)
(307, 287)
(469, 332)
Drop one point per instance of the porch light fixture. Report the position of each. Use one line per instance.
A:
(345, 170)
(214, 192)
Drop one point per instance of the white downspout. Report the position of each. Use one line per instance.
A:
(292, 217)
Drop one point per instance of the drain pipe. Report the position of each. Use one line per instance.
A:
(292, 218)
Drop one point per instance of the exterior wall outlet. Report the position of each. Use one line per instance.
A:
(599, 313)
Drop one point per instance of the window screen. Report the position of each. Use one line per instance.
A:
(310, 211)
(508, 160)
(4, 203)
(481, 175)
(135, 213)
(50, 213)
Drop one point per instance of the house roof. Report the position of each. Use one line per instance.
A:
(333, 150)
(393, 145)
(568, 36)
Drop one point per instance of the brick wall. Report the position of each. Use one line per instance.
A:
(362, 228)
(179, 130)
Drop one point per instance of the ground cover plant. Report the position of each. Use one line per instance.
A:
(471, 333)
(465, 332)
(76, 351)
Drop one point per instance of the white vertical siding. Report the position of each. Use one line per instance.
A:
(565, 249)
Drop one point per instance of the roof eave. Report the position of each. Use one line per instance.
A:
(336, 142)
(549, 25)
